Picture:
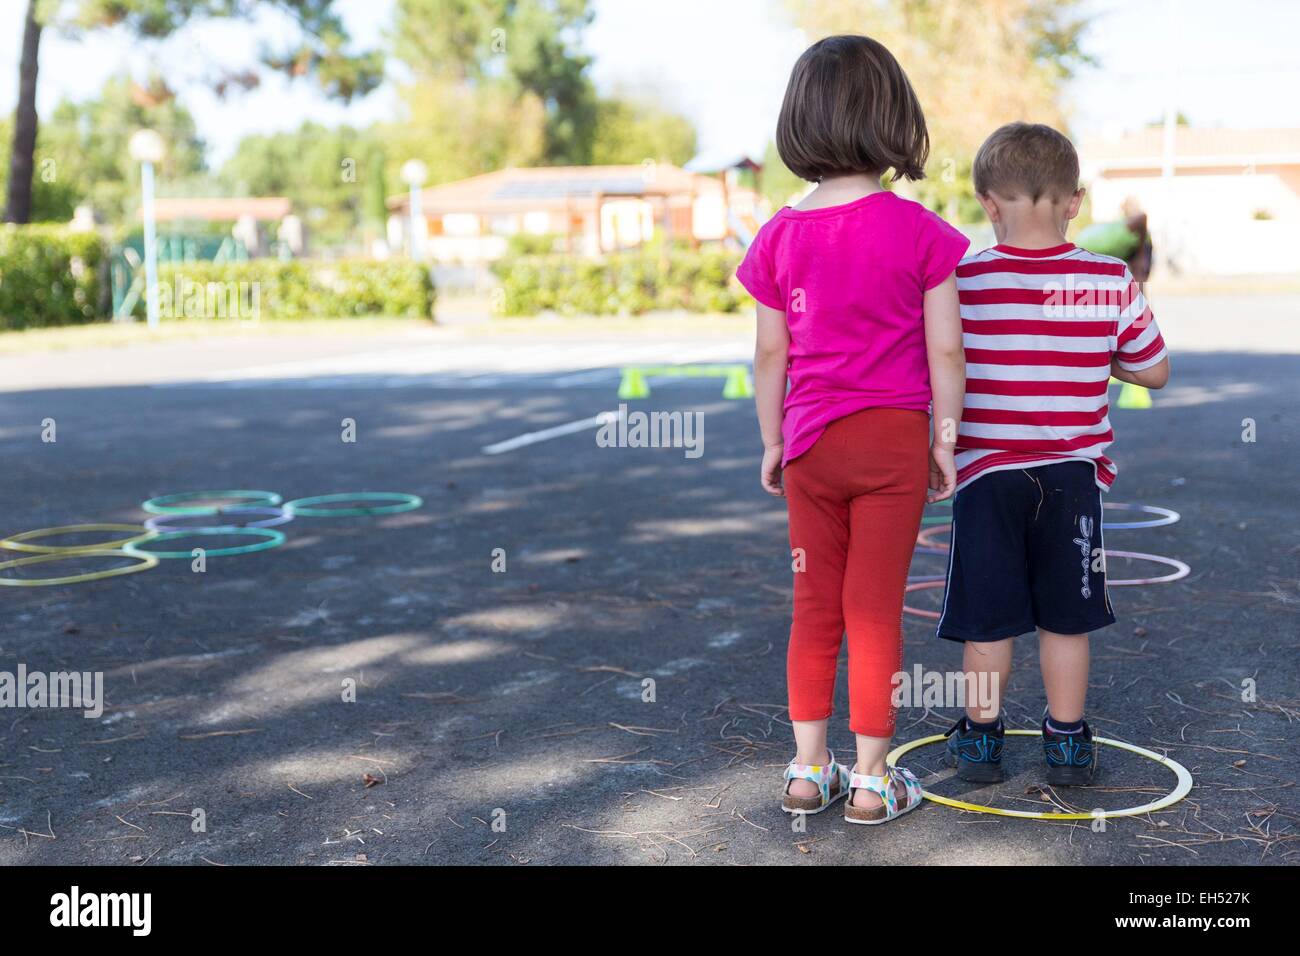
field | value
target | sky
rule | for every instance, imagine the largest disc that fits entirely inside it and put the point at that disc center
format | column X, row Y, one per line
column 723, row 63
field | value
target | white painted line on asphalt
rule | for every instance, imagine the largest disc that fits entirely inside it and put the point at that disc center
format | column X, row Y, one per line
column 532, row 438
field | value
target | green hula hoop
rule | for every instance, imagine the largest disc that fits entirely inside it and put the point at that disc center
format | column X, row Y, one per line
column 306, row 507
column 272, row 539
column 171, row 504
column 19, row 542
column 147, row 561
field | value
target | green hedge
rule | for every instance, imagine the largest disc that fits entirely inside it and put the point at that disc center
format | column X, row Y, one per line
column 297, row 289
column 626, row 283
column 50, row 275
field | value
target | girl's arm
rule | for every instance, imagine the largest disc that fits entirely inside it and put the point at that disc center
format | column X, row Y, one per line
column 947, row 382
column 771, row 355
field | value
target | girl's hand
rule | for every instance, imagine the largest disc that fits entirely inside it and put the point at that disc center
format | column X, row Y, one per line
column 943, row 474
column 770, row 475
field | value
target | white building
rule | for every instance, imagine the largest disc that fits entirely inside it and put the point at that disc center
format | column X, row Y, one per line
column 1231, row 204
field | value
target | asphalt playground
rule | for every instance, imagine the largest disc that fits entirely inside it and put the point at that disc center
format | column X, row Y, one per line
column 615, row 694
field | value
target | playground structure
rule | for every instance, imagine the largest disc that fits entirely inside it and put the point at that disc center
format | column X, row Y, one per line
column 126, row 264
column 193, row 238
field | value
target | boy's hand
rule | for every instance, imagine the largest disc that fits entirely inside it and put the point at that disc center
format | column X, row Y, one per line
column 770, row 474
column 943, row 474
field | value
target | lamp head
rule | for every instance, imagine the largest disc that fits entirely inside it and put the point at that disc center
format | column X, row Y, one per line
column 414, row 172
column 146, row 146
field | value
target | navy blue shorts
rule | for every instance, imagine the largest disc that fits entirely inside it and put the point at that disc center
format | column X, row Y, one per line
column 1026, row 553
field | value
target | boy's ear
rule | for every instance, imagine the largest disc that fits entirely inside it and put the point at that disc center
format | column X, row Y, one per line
column 1076, row 201
column 990, row 206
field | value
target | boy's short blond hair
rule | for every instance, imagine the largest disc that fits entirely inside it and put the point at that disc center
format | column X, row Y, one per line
column 1027, row 159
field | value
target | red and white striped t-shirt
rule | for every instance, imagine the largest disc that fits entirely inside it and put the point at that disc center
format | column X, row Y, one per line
column 1040, row 327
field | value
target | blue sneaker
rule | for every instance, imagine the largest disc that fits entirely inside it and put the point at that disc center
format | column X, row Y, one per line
column 1071, row 758
column 976, row 754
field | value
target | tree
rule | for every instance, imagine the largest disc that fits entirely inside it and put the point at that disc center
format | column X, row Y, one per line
column 319, row 50
column 461, row 130
column 454, row 39
column 541, row 56
column 780, row 185
column 323, row 170
column 974, row 65
column 629, row 130
column 496, row 64
column 18, row 204
column 374, row 207
column 81, row 152
column 504, row 83
column 54, row 197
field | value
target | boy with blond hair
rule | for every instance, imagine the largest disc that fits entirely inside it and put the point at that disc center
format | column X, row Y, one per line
column 1045, row 325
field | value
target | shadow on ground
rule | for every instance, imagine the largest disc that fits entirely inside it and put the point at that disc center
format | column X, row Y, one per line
column 485, row 698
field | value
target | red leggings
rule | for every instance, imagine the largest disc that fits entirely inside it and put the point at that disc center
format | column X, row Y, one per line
column 855, row 501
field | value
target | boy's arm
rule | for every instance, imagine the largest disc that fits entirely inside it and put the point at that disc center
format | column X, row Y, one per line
column 1138, row 342
column 771, row 357
column 947, row 359
column 1154, row 377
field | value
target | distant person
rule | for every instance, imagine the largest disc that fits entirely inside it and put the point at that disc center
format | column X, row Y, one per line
column 1128, row 239
column 857, row 312
column 1140, row 261
column 1026, row 551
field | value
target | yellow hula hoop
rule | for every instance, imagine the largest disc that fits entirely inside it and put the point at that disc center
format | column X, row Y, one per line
column 1182, row 789
column 18, row 542
column 147, row 561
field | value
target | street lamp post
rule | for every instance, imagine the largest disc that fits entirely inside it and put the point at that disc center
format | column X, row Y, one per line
column 414, row 174
column 146, row 148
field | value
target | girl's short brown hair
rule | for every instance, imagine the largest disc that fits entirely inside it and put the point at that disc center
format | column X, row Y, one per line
column 849, row 108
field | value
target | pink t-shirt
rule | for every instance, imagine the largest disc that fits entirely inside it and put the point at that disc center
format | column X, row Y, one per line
column 851, row 280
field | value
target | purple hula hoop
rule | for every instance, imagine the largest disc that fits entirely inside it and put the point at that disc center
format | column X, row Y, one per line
column 278, row 516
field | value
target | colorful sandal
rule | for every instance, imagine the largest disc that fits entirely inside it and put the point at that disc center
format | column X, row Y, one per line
column 832, row 779
column 883, row 787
